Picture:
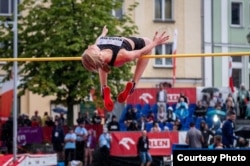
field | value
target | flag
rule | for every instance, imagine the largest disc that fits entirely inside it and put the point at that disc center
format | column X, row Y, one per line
column 231, row 83
column 6, row 100
column 174, row 58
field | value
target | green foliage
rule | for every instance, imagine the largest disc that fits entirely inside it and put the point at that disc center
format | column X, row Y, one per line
column 64, row 29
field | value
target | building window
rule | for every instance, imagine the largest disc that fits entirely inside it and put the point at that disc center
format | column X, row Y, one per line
column 237, row 77
column 236, row 13
column 118, row 12
column 249, row 15
column 236, row 58
column 6, row 7
column 161, row 50
column 163, row 10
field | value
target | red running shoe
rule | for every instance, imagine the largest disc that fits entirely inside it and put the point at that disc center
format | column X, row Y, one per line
column 108, row 103
column 122, row 97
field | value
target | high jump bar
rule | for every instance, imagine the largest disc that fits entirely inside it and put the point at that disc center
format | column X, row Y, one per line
column 42, row 59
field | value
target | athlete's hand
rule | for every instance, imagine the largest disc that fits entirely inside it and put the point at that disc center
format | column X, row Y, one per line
column 160, row 39
column 104, row 31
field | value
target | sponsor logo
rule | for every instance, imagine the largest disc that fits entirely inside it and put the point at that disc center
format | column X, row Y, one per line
column 159, row 143
column 173, row 97
column 126, row 141
column 145, row 97
column 21, row 139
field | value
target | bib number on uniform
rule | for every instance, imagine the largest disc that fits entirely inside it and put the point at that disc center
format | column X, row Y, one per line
column 117, row 41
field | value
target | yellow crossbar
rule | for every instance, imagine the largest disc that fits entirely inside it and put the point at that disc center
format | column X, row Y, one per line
column 42, row 59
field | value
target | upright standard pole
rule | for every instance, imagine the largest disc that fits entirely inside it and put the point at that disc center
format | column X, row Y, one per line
column 15, row 40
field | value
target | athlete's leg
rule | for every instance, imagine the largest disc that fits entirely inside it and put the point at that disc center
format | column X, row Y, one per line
column 108, row 103
column 140, row 67
column 141, row 64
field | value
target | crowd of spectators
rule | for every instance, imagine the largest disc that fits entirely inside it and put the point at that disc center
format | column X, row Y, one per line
column 162, row 116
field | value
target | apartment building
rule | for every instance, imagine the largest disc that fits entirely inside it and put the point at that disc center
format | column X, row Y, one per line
column 169, row 15
column 226, row 29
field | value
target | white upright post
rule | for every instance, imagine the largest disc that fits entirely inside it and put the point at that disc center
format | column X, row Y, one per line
column 15, row 47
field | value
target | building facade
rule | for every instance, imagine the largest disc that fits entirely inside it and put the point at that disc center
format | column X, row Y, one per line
column 226, row 27
column 170, row 15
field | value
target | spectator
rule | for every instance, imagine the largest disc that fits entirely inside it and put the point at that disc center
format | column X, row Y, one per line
column 244, row 143
column 175, row 128
column 217, row 144
column 96, row 118
column 56, row 118
column 230, row 106
column 178, row 124
column 113, row 125
column 20, row 121
column 194, row 137
column 143, row 149
column 228, row 136
column 81, row 134
column 182, row 109
column 44, row 119
column 142, row 123
column 62, row 120
column 35, row 123
column 37, row 118
column 186, row 100
column 70, row 146
column 130, row 117
column 151, row 117
column 26, row 121
column 133, row 126
column 218, row 106
column 205, row 101
column 248, row 108
column 104, row 144
column 57, row 140
column 86, row 118
column 156, row 128
column 49, row 122
column 220, row 100
column 230, row 98
column 161, row 97
column 200, row 110
column 161, row 114
column 89, row 147
column 206, row 133
column 212, row 100
column 79, row 118
column 171, row 116
column 7, row 135
column 241, row 99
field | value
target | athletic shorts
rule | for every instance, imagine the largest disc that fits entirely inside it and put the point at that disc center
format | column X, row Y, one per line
column 145, row 157
column 139, row 42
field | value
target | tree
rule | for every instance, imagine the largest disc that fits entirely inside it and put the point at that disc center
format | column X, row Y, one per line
column 64, row 28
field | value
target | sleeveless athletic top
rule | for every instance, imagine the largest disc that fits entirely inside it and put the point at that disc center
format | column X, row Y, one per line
column 117, row 43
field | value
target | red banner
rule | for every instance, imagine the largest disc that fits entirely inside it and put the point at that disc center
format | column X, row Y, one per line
column 6, row 100
column 125, row 143
column 148, row 95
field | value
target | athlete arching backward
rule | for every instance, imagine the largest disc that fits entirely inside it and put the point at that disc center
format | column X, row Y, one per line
column 116, row 51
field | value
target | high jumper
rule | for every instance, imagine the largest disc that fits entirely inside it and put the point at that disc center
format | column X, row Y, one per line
column 116, row 51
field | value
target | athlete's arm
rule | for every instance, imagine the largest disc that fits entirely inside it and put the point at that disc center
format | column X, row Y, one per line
column 104, row 33
column 103, row 76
